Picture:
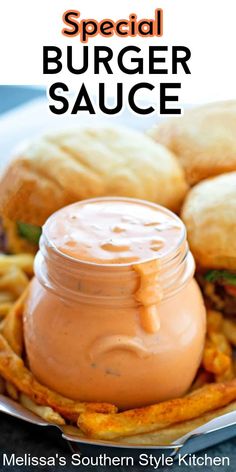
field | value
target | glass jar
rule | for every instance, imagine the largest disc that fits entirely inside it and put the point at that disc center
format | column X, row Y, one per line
column 85, row 332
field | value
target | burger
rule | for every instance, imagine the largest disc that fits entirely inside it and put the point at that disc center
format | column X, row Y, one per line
column 203, row 139
column 209, row 213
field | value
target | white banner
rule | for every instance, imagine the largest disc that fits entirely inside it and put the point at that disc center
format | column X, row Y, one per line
column 206, row 27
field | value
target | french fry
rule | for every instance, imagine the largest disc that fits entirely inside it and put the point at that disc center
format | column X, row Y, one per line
column 215, row 361
column 214, row 321
column 23, row 261
column 218, row 354
column 45, row 412
column 2, row 385
column 14, row 281
column 5, row 308
column 159, row 416
column 12, row 391
column 6, row 297
column 13, row 370
column 229, row 329
column 73, row 431
column 229, row 374
column 166, row 436
column 220, row 341
column 12, row 325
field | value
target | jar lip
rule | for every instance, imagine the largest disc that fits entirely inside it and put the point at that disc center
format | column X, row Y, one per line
column 75, row 261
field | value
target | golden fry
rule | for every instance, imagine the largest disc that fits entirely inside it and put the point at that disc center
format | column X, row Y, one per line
column 45, row 412
column 6, row 297
column 229, row 329
column 218, row 354
column 73, row 431
column 2, row 385
column 14, row 281
column 229, row 374
column 215, row 361
column 220, row 341
column 214, row 321
column 166, row 436
column 12, row 325
column 23, row 261
column 12, row 391
column 12, row 369
column 5, row 308
column 159, row 416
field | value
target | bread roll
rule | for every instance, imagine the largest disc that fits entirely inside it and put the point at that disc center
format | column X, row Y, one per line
column 203, row 139
column 65, row 167
column 209, row 214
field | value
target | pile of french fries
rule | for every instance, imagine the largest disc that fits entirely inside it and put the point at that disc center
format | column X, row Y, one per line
column 15, row 273
column 218, row 357
column 213, row 391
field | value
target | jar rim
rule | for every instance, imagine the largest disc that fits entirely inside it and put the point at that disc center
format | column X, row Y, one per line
column 114, row 266
column 59, row 271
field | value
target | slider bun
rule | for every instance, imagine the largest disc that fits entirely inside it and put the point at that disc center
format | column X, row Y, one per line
column 69, row 166
column 209, row 213
column 203, row 139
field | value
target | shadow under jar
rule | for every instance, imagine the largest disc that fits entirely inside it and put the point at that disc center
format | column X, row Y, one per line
column 113, row 313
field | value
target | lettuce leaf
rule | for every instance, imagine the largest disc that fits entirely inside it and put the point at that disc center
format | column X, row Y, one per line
column 30, row 232
column 224, row 277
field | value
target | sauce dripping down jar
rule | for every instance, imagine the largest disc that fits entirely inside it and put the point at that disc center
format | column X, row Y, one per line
column 113, row 313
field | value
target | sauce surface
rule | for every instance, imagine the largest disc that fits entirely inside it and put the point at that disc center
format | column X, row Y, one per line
column 114, row 231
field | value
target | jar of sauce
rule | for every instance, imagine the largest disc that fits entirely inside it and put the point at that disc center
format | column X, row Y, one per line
column 113, row 313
